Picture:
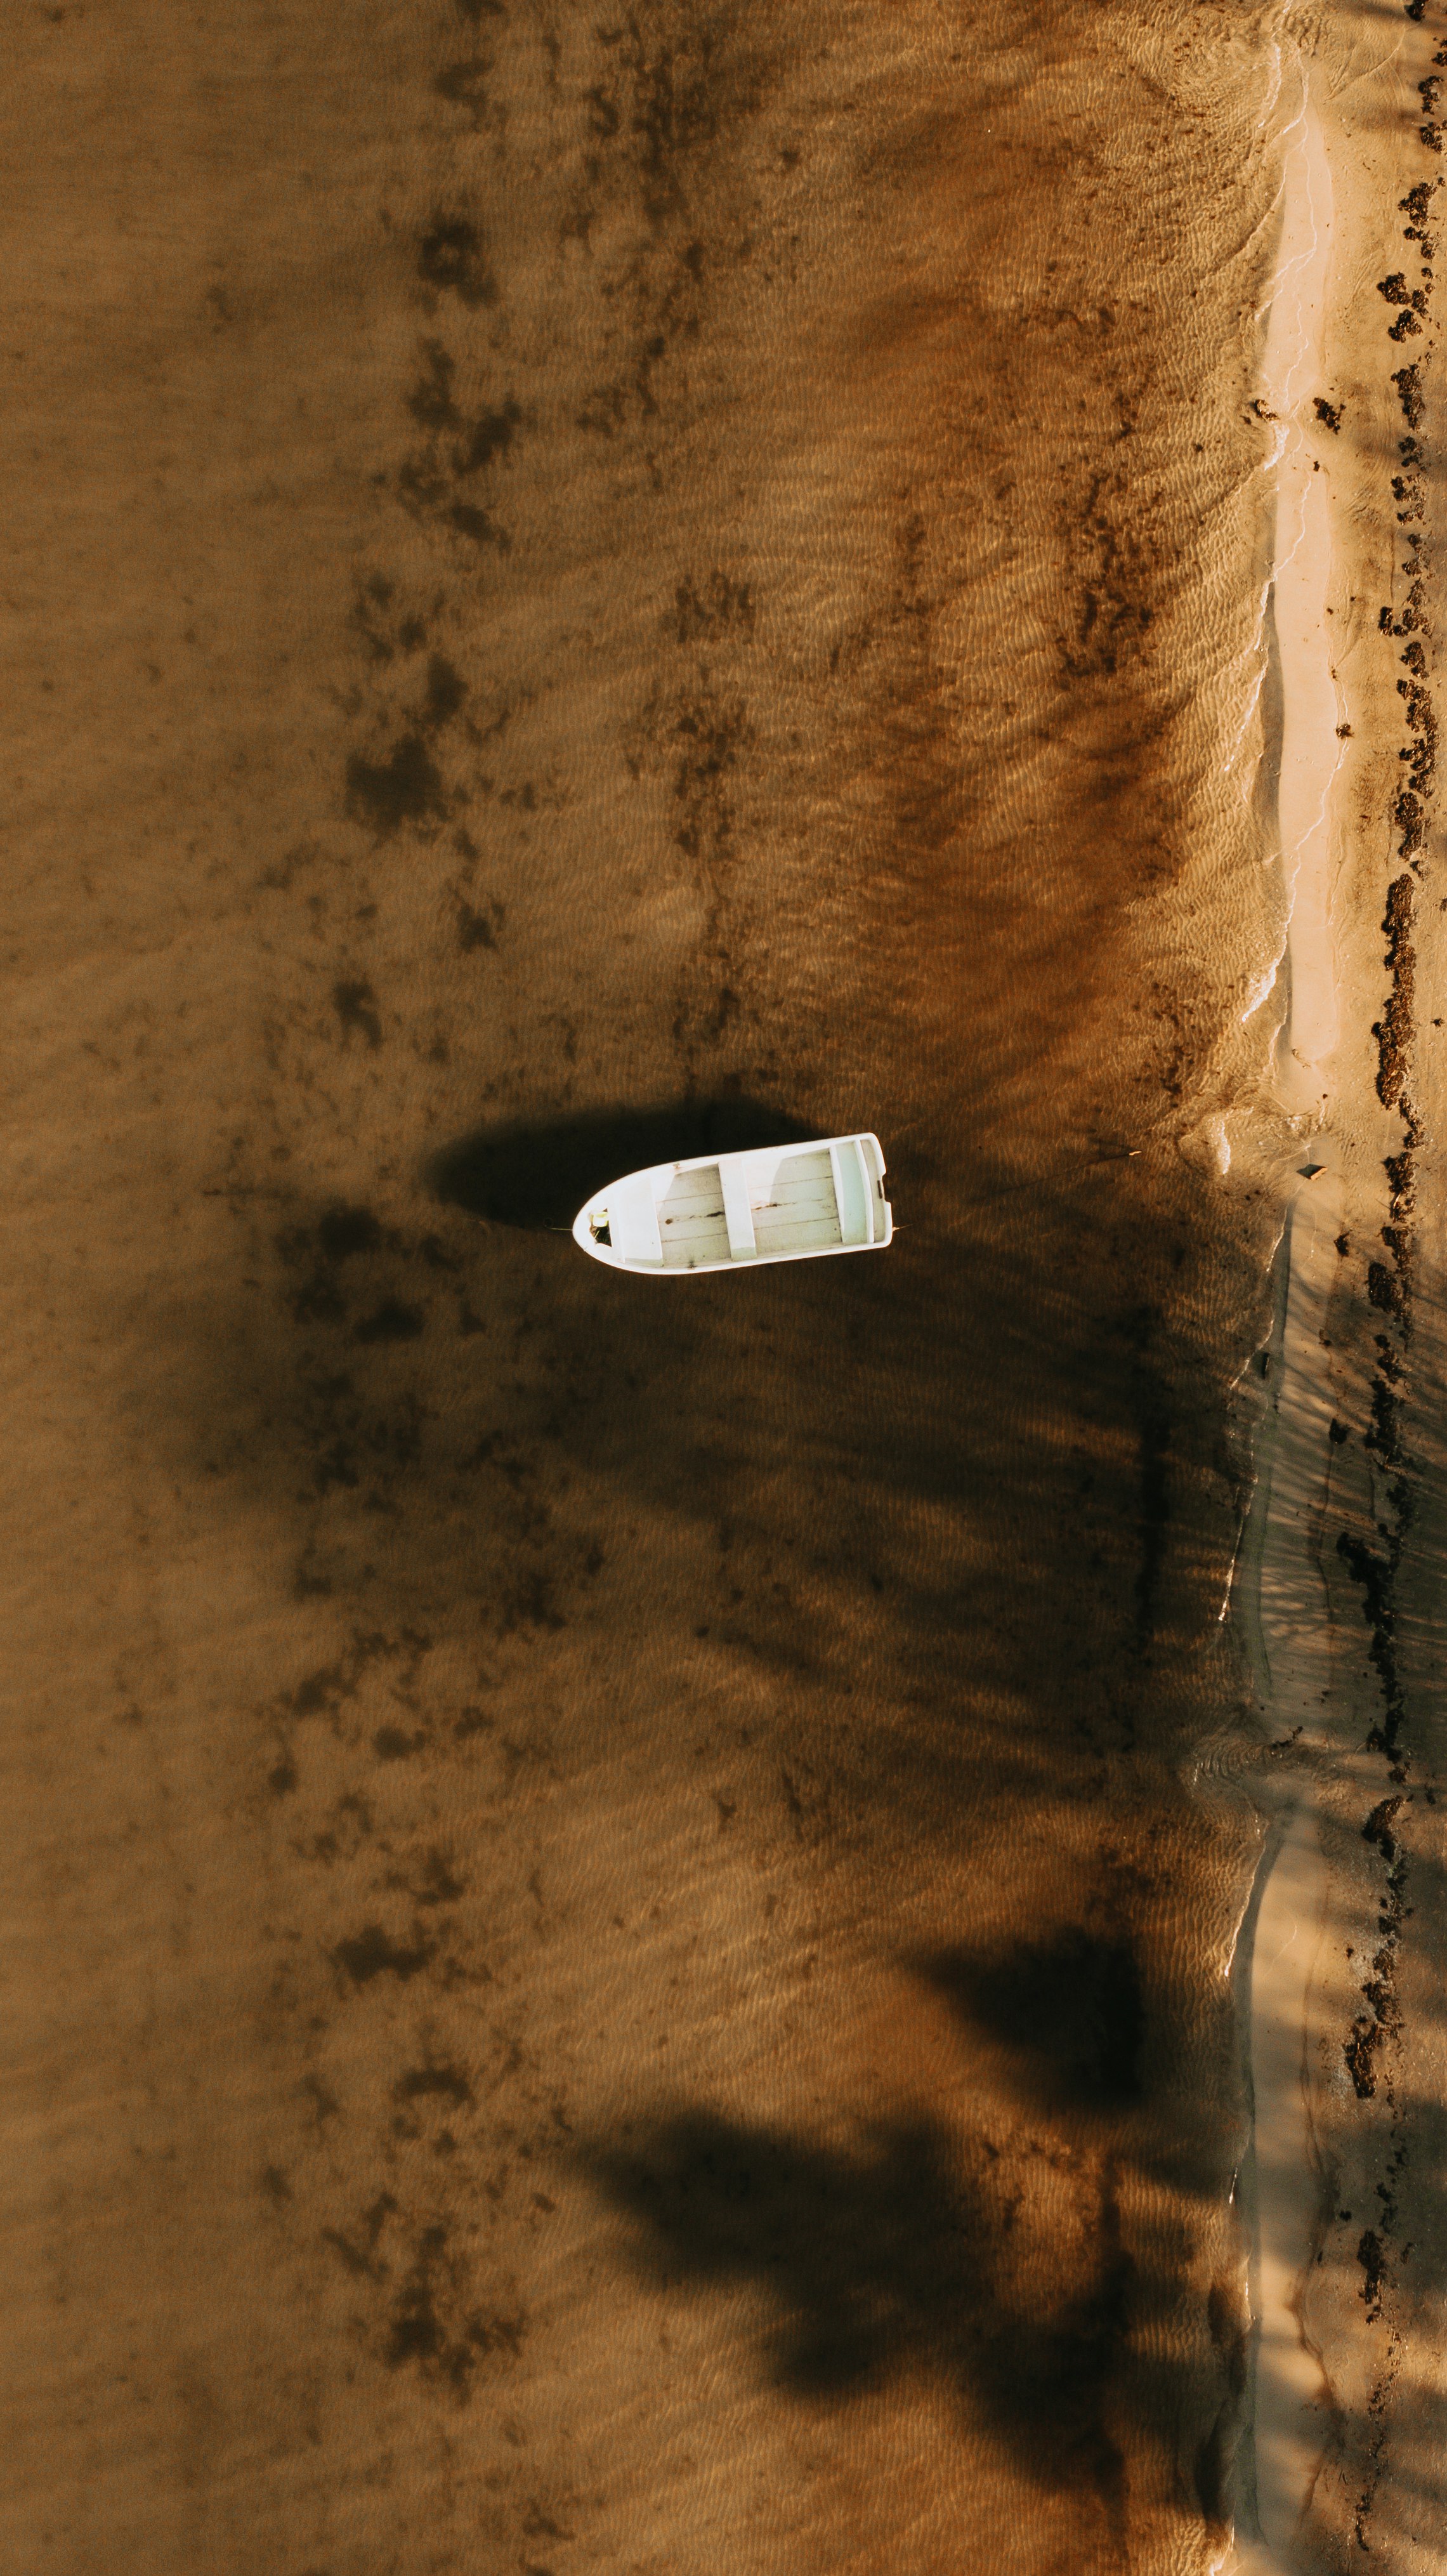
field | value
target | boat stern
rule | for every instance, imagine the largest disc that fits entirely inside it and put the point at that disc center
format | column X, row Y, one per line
column 881, row 1214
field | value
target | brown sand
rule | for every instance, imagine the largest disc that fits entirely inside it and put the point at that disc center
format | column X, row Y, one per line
column 617, row 1968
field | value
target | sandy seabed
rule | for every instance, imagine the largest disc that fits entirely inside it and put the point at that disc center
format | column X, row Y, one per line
column 721, row 1925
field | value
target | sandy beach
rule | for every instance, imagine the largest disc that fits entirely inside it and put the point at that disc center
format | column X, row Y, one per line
column 777, row 1924
column 1343, row 2447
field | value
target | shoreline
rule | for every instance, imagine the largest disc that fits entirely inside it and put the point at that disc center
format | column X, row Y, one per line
column 1287, row 1905
column 1318, row 1789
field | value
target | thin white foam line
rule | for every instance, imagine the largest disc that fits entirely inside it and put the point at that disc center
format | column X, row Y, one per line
column 1232, row 1392
column 1265, row 984
column 1257, row 651
column 1316, row 824
column 1278, row 57
column 1287, row 441
column 1299, row 125
column 1296, row 478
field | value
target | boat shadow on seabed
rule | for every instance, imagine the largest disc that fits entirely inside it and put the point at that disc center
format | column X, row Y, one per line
column 539, row 1172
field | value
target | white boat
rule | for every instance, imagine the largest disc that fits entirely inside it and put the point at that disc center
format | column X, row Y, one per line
column 733, row 1211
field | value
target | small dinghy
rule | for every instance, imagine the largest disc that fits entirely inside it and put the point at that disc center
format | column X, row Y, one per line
column 732, row 1211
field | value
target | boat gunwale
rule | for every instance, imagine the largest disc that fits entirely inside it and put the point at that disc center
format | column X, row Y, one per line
column 657, row 1173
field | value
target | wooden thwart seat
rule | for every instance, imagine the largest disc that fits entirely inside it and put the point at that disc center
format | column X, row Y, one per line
column 691, row 1218
column 797, row 1209
column 738, row 1215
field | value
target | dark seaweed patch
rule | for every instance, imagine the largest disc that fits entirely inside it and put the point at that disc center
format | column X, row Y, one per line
column 430, row 402
column 477, row 525
column 1393, row 1032
column 392, row 1744
column 422, row 2082
column 1372, row 2256
column 450, row 257
column 345, row 1231
column 355, row 1005
column 436, row 1882
column 404, row 788
column 489, row 436
column 426, row 2327
column 702, row 613
column 358, row 2252
column 1382, row 2018
column 446, row 693
column 478, row 929
column 373, row 1953
column 466, row 85
column 391, row 1322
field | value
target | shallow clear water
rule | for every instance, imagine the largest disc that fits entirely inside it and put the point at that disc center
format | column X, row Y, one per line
column 629, row 1967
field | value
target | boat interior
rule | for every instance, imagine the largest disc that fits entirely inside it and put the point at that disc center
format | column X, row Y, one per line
column 773, row 1204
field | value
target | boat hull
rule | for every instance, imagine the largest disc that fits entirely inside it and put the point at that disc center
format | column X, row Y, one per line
column 741, row 1211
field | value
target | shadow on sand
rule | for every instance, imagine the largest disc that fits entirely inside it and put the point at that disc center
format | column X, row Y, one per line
column 540, row 1172
column 910, row 2249
column 947, row 1529
column 886, row 2258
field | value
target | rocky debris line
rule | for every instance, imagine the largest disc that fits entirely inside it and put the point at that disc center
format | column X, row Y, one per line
column 1374, row 1564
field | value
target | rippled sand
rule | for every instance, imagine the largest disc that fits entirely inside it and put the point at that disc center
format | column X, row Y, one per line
column 625, row 1893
